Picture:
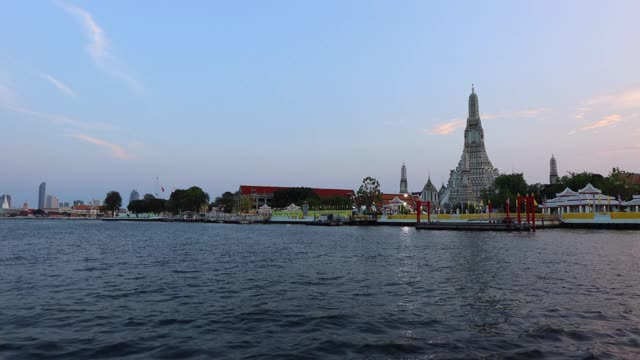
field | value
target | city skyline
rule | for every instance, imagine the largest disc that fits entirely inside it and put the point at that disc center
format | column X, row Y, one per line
column 231, row 95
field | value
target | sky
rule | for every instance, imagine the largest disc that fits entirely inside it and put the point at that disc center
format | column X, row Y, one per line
column 112, row 95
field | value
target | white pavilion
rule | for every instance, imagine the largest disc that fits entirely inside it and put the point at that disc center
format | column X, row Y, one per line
column 586, row 200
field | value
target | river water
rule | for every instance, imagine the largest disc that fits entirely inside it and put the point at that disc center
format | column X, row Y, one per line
column 91, row 289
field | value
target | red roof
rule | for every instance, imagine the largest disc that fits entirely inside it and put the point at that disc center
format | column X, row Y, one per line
column 249, row 189
column 411, row 200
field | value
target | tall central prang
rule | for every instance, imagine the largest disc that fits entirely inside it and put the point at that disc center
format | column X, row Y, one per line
column 474, row 171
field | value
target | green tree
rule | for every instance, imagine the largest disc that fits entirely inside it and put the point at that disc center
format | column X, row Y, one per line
column 245, row 204
column 192, row 199
column 196, row 199
column 113, row 202
column 368, row 194
column 176, row 203
column 137, row 207
column 505, row 187
column 225, row 202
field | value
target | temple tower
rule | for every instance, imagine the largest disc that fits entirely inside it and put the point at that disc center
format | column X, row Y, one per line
column 430, row 193
column 404, row 189
column 474, row 170
column 553, row 172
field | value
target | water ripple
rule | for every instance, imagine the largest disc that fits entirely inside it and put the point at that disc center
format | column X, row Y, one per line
column 93, row 290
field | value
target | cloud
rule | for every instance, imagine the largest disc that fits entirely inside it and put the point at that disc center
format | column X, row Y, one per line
column 446, row 128
column 99, row 46
column 60, row 119
column 455, row 124
column 9, row 101
column 604, row 122
column 116, row 151
column 627, row 99
column 59, row 84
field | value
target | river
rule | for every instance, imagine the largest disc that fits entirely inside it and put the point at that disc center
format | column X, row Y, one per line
column 92, row 289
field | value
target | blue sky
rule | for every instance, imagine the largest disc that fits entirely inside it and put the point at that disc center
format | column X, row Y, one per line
column 99, row 96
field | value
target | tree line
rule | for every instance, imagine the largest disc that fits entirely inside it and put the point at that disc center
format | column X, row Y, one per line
column 616, row 183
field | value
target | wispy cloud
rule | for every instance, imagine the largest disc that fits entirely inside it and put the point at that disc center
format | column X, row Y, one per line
column 115, row 151
column 59, row 85
column 453, row 125
column 99, row 46
column 9, row 100
column 446, row 128
column 606, row 121
column 627, row 99
column 60, row 119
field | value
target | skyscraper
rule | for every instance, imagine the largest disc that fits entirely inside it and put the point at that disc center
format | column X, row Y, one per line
column 403, row 180
column 474, row 171
column 553, row 171
column 51, row 202
column 5, row 199
column 134, row 196
column 42, row 193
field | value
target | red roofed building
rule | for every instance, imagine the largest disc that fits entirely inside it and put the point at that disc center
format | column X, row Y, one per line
column 390, row 202
column 263, row 194
column 631, row 179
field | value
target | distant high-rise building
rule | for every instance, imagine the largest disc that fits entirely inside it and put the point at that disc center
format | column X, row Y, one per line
column 553, row 171
column 5, row 198
column 134, row 195
column 78, row 202
column 51, row 202
column 404, row 188
column 42, row 193
column 66, row 204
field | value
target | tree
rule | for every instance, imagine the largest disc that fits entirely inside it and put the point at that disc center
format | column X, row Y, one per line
column 368, row 194
column 196, row 199
column 137, row 206
column 176, row 203
column 505, row 187
column 113, row 201
column 192, row 199
column 245, row 204
column 225, row 202
column 149, row 204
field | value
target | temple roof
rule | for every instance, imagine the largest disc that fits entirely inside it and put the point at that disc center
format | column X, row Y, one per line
column 589, row 189
column 429, row 186
column 567, row 192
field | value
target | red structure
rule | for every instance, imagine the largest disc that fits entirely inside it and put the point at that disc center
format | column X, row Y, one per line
column 533, row 213
column 518, row 205
column 419, row 207
column 527, row 207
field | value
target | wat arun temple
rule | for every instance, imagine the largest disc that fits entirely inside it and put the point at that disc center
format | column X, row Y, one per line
column 474, row 172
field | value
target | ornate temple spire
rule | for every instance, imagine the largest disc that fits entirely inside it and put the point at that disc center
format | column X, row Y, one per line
column 474, row 112
column 403, row 180
column 553, row 170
